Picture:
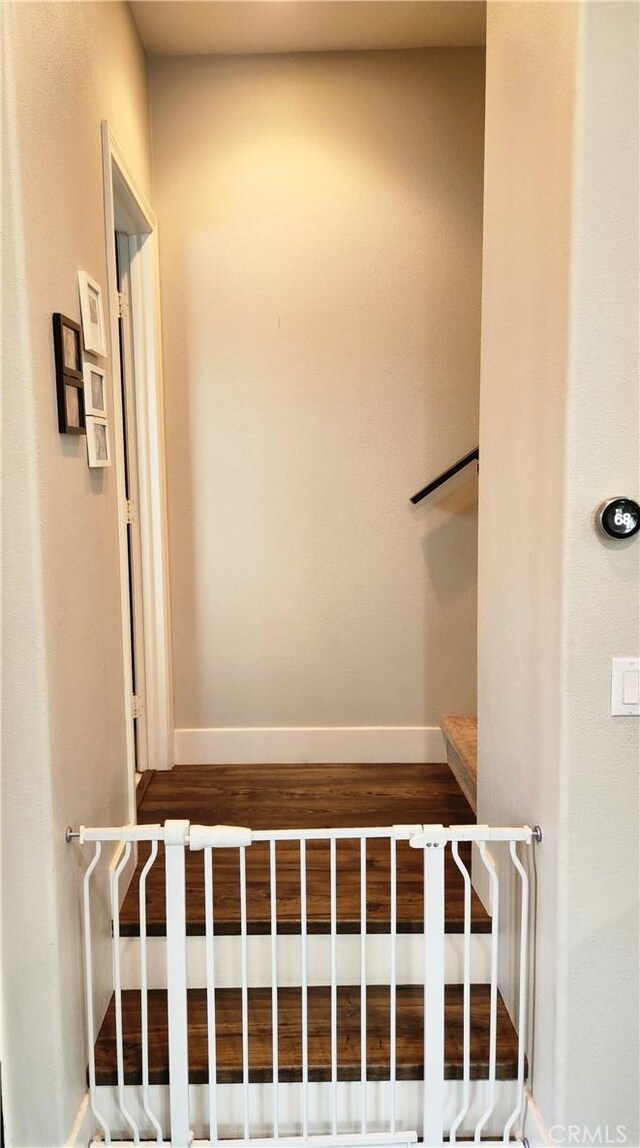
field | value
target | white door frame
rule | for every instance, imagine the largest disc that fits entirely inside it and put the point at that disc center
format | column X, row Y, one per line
column 127, row 209
column 124, row 244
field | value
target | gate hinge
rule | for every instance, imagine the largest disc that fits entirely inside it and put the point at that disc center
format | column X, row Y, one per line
column 122, row 305
column 137, row 706
column 421, row 836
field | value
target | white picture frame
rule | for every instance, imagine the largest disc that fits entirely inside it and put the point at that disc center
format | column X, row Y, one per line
column 95, row 390
column 98, row 444
column 92, row 313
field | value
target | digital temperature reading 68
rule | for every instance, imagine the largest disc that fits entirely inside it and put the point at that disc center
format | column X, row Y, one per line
column 619, row 518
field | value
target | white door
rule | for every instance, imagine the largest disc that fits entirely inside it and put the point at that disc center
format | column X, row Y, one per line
column 134, row 545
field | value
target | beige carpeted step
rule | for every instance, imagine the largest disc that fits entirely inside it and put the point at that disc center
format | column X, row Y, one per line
column 461, row 733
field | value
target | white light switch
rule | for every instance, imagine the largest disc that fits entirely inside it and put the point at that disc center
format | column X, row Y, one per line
column 631, row 688
column 625, row 687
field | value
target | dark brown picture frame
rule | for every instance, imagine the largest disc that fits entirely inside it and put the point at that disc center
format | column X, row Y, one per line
column 69, row 374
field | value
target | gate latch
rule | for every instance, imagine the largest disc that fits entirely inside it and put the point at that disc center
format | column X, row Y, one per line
column 429, row 837
column 218, row 837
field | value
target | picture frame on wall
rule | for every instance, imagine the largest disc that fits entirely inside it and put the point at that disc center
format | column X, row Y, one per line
column 67, row 345
column 91, row 310
column 98, row 445
column 67, row 349
column 73, row 409
column 95, row 390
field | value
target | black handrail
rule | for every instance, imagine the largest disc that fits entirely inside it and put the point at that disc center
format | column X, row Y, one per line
column 473, row 456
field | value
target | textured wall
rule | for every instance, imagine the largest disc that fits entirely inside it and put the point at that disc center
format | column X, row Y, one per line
column 320, row 221
column 65, row 67
column 525, row 332
column 600, row 893
column 559, row 433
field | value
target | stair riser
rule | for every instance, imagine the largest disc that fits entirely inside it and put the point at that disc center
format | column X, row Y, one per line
column 230, row 1108
column 227, row 956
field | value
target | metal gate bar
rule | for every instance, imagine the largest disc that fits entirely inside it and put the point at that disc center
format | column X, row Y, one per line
column 180, row 836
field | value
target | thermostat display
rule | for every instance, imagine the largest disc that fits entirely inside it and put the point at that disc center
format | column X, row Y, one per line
column 619, row 518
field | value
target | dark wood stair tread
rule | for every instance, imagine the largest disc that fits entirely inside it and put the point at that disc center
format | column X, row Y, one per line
column 226, row 881
column 409, row 1043
column 305, row 796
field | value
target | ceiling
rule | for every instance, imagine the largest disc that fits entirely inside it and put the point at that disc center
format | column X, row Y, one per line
column 235, row 27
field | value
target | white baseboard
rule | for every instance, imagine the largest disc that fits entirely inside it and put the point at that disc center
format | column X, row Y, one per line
column 535, row 1128
column 84, row 1126
column 319, row 745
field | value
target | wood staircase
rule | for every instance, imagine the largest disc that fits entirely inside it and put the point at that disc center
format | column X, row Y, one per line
column 461, row 736
column 305, row 796
column 229, row 1034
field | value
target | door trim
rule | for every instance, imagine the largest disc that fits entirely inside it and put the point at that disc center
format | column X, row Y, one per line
column 127, row 208
column 128, row 371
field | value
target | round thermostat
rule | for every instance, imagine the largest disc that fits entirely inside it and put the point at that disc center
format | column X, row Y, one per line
column 619, row 518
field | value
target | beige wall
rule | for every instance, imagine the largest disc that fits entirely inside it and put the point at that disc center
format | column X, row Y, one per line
column 65, row 67
column 525, row 331
column 558, row 433
column 599, row 899
column 320, row 226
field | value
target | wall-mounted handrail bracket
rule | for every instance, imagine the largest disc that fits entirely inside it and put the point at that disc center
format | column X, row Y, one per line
column 473, row 456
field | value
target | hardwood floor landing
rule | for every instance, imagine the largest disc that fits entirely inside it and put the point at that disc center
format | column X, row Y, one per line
column 304, row 796
column 409, row 1043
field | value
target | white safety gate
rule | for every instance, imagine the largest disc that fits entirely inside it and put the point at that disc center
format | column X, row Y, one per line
column 337, row 1112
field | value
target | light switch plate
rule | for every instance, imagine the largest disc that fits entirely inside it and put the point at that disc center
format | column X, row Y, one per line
column 625, row 687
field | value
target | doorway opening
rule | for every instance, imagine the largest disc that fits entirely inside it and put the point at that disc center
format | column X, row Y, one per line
column 132, row 272
column 126, row 361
